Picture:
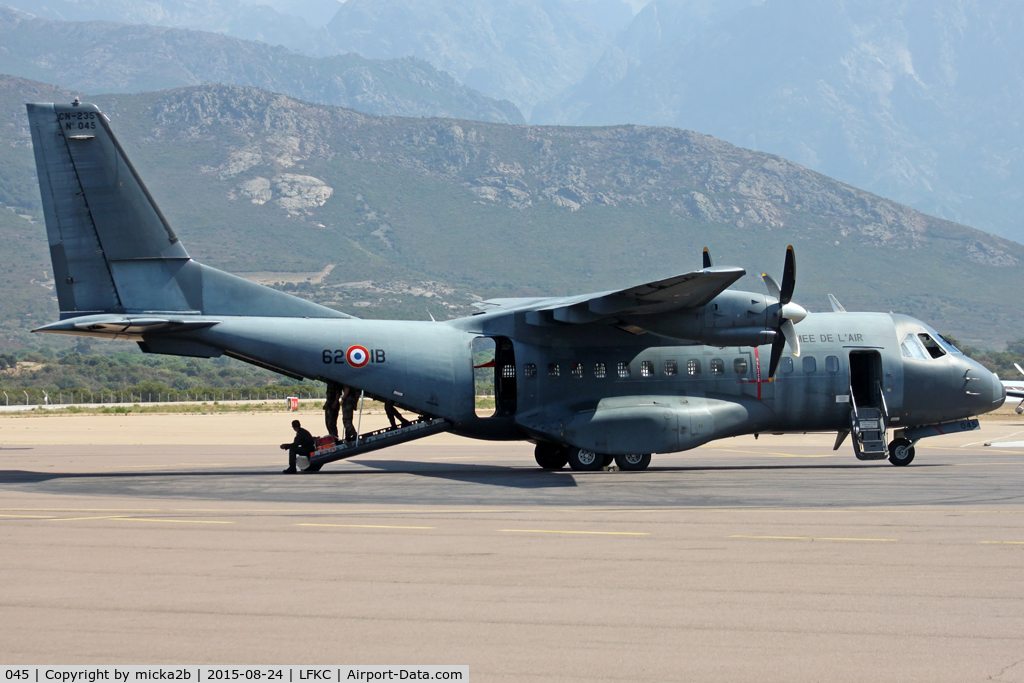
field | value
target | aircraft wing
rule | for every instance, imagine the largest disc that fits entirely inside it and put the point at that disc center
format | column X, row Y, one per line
column 1014, row 389
column 690, row 290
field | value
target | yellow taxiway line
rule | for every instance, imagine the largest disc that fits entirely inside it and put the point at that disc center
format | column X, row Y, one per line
column 1001, row 542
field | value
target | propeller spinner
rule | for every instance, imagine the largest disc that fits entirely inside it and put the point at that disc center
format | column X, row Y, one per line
column 788, row 312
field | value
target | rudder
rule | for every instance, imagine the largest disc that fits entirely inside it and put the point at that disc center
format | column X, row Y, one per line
column 113, row 251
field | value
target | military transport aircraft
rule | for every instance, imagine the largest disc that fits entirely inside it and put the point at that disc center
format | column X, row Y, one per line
column 661, row 367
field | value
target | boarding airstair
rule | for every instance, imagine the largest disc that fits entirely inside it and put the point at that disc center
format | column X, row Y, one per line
column 372, row 441
column 867, row 424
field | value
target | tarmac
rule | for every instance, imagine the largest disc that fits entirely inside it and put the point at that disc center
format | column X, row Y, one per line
column 775, row 559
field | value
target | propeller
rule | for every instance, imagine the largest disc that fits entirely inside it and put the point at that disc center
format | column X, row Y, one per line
column 788, row 312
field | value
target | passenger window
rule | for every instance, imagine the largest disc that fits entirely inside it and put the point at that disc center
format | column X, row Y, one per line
column 912, row 348
column 623, row 369
column 671, row 368
column 600, row 370
column 786, row 365
column 530, row 370
column 717, row 366
column 646, row 368
column 554, row 370
column 831, row 363
column 810, row 365
column 931, row 346
column 693, row 368
column 577, row 370
column 740, row 366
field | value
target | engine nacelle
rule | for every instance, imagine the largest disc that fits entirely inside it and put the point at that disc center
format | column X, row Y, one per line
column 731, row 319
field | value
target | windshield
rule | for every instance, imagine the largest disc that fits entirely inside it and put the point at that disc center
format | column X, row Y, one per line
column 931, row 346
column 947, row 345
column 912, row 348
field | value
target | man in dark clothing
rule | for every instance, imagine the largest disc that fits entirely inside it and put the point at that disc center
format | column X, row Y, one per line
column 332, row 406
column 349, row 401
column 393, row 415
column 302, row 445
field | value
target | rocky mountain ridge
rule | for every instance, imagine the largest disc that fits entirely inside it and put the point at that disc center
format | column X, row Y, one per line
column 405, row 217
column 696, row 177
column 916, row 101
column 106, row 57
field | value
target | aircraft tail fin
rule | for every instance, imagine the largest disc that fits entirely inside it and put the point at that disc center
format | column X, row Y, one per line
column 112, row 249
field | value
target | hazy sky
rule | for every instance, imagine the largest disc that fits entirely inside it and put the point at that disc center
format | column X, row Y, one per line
column 637, row 4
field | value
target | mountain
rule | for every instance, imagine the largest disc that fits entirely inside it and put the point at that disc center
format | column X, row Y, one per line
column 292, row 23
column 918, row 100
column 386, row 216
column 525, row 51
column 106, row 57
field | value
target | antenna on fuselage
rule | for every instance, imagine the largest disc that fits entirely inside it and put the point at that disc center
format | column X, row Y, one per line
column 836, row 306
column 431, row 316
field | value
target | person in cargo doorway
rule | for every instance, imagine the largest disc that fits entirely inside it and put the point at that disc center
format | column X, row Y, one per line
column 332, row 406
column 302, row 445
column 349, row 401
column 393, row 415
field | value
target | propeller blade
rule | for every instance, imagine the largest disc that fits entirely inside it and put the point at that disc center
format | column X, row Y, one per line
column 1019, row 368
column 836, row 306
column 778, row 344
column 788, row 276
column 707, row 258
column 789, row 332
column 771, row 284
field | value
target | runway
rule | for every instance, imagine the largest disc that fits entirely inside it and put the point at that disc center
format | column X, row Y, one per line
column 776, row 559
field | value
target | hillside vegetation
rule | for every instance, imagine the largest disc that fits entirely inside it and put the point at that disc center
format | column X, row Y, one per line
column 419, row 216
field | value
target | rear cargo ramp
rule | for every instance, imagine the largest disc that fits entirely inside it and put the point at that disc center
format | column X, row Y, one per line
column 382, row 438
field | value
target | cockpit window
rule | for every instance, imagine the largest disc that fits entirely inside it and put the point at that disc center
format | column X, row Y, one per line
column 912, row 348
column 932, row 346
column 948, row 345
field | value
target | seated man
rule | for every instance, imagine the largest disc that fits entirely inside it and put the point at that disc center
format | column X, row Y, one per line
column 302, row 445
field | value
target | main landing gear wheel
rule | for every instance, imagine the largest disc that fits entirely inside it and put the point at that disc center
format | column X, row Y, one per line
column 582, row 460
column 551, row 456
column 633, row 462
column 901, row 452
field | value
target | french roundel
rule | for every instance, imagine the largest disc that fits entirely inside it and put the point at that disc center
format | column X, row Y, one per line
column 357, row 356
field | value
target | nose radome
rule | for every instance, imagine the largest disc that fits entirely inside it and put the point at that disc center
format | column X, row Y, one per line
column 998, row 391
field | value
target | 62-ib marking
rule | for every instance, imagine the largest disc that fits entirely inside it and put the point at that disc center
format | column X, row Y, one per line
column 337, row 356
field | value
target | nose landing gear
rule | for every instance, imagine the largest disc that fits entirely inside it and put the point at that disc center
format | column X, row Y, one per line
column 901, row 452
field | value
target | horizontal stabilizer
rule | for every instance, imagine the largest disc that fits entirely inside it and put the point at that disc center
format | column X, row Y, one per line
column 121, row 327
